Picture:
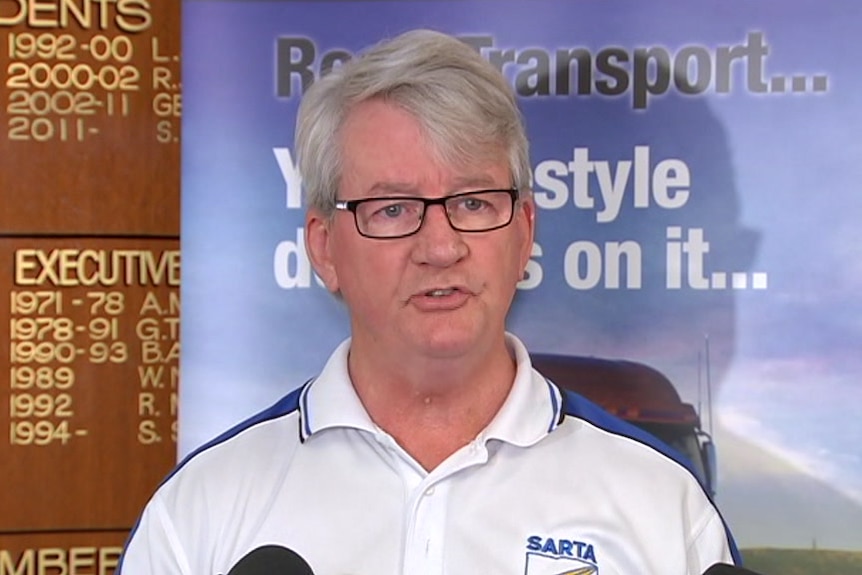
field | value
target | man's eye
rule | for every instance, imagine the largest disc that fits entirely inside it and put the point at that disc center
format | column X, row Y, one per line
column 391, row 210
column 474, row 204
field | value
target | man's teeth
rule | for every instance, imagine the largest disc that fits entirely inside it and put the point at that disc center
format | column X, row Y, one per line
column 440, row 292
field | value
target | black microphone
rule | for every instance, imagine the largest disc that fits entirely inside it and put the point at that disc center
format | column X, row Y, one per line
column 725, row 569
column 271, row 560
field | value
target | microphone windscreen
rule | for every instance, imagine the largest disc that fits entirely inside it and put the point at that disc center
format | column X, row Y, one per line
column 271, row 560
column 725, row 569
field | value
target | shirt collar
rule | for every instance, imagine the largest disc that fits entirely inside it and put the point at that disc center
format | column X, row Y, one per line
column 530, row 412
column 330, row 400
column 533, row 407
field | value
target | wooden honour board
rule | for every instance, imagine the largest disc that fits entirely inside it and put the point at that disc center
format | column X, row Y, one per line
column 89, row 275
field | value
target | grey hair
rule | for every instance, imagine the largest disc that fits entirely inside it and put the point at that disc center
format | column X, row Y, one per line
column 465, row 105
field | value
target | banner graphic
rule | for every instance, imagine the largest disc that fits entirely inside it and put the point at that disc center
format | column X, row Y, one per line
column 696, row 170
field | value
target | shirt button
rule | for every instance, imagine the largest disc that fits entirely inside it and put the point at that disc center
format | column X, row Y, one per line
column 430, row 491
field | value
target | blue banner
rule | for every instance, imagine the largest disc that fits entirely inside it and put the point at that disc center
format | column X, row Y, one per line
column 696, row 167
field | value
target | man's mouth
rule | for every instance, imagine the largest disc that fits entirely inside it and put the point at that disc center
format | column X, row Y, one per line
column 440, row 292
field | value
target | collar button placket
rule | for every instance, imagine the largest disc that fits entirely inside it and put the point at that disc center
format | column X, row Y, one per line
column 426, row 523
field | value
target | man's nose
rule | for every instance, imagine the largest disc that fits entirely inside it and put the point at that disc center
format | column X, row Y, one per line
column 438, row 243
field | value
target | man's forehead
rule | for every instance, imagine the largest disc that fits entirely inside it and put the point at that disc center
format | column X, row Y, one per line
column 392, row 150
column 422, row 186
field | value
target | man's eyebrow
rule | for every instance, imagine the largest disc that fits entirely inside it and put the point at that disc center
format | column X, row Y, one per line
column 461, row 183
column 475, row 181
column 393, row 188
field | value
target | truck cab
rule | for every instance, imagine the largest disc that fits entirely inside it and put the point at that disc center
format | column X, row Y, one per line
column 640, row 395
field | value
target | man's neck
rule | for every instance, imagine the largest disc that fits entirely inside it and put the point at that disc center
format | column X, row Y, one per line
column 433, row 408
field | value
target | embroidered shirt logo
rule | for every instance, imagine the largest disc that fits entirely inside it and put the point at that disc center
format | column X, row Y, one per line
column 550, row 556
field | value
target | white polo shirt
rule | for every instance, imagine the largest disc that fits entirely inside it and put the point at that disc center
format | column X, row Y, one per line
column 553, row 485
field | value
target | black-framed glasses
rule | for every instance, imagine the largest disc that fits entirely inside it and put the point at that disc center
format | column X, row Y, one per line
column 401, row 216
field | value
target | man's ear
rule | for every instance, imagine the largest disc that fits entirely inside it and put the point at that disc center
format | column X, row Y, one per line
column 318, row 244
column 527, row 207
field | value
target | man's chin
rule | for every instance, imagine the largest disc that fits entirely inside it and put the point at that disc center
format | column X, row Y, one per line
column 448, row 342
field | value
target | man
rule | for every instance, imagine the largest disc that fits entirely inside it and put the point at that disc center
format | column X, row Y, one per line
column 427, row 444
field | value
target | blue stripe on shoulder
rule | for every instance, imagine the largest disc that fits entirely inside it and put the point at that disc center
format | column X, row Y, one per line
column 284, row 406
column 576, row 405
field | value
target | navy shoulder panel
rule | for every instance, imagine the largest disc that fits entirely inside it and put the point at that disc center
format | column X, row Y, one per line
column 284, row 406
column 576, row 405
